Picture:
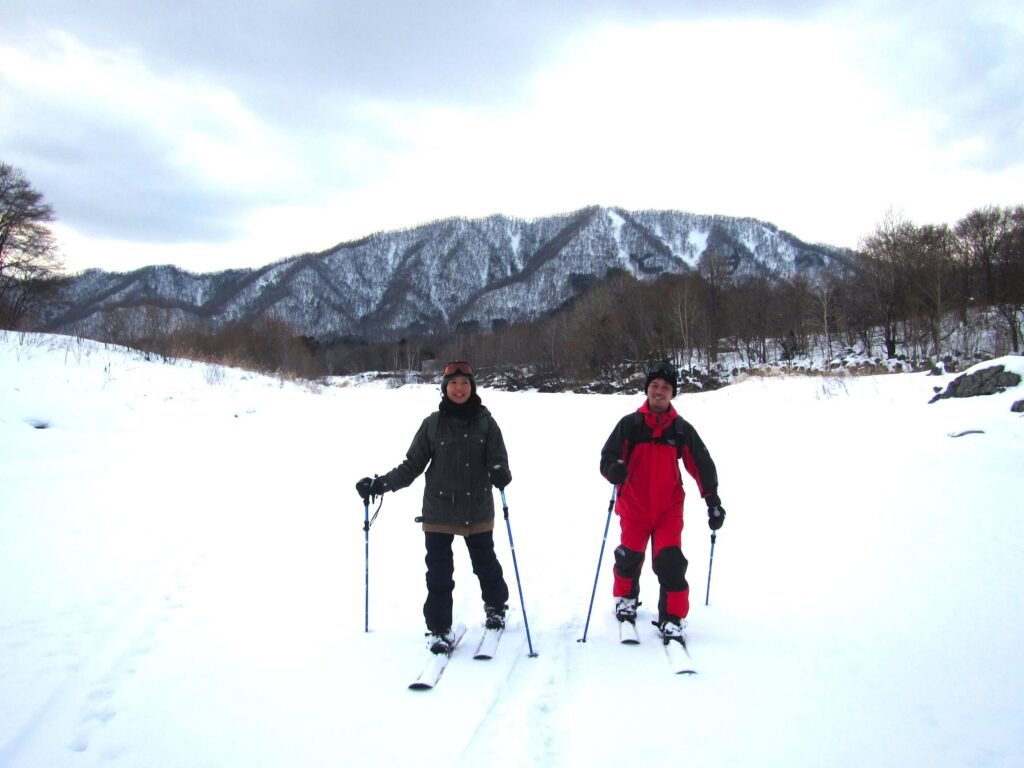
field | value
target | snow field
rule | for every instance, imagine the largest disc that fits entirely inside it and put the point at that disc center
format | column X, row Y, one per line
column 182, row 562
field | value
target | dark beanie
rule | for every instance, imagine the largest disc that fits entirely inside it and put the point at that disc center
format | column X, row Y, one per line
column 446, row 379
column 662, row 371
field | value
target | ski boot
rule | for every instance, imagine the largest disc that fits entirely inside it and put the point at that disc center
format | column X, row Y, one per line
column 495, row 616
column 671, row 628
column 625, row 609
column 441, row 642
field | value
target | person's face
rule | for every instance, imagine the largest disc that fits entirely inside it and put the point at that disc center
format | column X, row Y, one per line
column 659, row 395
column 459, row 389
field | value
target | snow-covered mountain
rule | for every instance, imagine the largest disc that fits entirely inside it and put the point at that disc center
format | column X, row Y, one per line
column 434, row 277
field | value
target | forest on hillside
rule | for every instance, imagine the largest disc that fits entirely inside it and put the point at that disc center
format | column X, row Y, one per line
column 922, row 295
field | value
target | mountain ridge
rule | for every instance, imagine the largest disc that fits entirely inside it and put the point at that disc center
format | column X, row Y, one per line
column 433, row 277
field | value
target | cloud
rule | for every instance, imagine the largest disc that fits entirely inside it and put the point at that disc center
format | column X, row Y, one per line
column 958, row 64
column 130, row 152
column 276, row 54
column 247, row 133
column 737, row 114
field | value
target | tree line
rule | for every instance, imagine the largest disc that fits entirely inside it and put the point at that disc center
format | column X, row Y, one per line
column 921, row 292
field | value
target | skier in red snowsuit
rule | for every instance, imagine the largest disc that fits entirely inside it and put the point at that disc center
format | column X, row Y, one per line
column 642, row 456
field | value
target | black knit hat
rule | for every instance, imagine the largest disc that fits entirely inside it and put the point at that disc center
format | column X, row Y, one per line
column 664, row 371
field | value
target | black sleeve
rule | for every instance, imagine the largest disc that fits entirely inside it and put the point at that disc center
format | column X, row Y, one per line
column 696, row 458
column 416, row 460
column 616, row 445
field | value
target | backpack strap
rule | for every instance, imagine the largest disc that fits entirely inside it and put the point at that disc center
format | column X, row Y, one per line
column 632, row 433
column 432, row 421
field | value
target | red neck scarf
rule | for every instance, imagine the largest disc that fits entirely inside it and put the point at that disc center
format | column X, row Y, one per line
column 658, row 422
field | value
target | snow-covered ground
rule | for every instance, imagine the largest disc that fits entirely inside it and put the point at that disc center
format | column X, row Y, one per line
column 182, row 578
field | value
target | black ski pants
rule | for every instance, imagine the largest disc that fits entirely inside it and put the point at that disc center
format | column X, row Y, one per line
column 437, row 610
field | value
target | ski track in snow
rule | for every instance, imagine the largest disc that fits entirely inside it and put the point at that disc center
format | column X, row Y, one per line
column 122, row 650
column 98, row 649
column 525, row 699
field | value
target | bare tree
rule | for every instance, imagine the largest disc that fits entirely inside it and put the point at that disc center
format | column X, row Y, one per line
column 977, row 245
column 716, row 267
column 884, row 263
column 933, row 282
column 752, row 317
column 823, row 298
column 28, row 251
column 1008, row 272
column 791, row 330
column 683, row 305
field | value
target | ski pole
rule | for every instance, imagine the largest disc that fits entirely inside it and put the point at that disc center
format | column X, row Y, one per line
column 711, row 562
column 367, row 522
column 515, row 565
column 366, row 538
column 600, row 555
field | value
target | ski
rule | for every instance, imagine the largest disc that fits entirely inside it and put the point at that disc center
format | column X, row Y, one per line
column 678, row 656
column 488, row 644
column 628, row 634
column 436, row 664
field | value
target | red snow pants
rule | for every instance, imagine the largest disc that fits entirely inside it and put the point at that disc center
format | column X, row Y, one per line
column 664, row 531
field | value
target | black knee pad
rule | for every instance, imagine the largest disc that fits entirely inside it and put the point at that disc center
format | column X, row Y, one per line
column 628, row 562
column 670, row 565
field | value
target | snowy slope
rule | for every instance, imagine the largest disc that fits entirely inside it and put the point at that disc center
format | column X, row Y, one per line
column 182, row 562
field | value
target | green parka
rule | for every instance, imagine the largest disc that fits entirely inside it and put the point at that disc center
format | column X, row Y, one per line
column 458, row 497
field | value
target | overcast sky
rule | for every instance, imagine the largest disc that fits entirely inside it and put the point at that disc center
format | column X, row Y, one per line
column 213, row 134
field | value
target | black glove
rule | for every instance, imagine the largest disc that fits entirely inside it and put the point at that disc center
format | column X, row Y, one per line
column 617, row 473
column 500, row 476
column 368, row 487
column 716, row 514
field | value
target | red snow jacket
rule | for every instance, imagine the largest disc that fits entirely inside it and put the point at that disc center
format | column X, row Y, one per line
column 651, row 445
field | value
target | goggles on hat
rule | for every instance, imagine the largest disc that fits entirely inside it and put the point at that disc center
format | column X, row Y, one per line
column 662, row 370
column 457, row 367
